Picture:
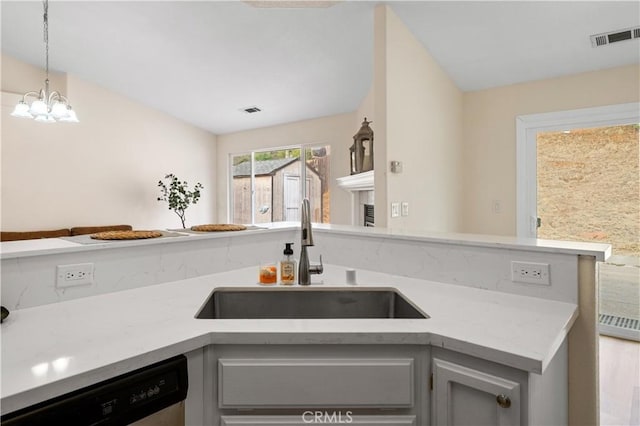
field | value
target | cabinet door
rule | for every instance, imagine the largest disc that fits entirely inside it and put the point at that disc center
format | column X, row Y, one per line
column 465, row 396
column 327, row 418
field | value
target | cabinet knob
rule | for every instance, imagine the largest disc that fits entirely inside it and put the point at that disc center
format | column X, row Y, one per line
column 503, row 401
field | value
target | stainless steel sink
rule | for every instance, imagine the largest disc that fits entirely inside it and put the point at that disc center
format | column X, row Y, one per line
column 307, row 303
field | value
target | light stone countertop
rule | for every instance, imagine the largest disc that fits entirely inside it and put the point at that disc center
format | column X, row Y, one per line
column 26, row 248
column 53, row 349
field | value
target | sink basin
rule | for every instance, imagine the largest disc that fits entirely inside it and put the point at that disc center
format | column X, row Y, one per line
column 307, row 303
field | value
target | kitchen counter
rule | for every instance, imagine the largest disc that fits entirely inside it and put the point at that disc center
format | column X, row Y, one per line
column 27, row 248
column 52, row 349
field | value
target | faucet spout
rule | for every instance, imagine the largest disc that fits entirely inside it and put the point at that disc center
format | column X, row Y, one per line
column 305, row 269
column 307, row 235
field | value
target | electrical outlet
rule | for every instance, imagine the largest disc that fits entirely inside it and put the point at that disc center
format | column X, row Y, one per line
column 73, row 275
column 531, row 273
column 395, row 209
column 405, row 208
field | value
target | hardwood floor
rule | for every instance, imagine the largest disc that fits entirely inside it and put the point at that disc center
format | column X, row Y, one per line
column 619, row 382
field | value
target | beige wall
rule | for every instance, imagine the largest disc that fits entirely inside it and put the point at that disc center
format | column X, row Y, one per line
column 423, row 131
column 103, row 170
column 379, row 106
column 20, row 77
column 489, row 155
column 336, row 131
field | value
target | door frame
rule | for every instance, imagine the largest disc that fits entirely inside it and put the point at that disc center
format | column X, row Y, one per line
column 527, row 128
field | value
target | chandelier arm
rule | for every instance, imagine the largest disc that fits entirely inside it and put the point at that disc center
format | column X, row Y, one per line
column 32, row 93
column 59, row 97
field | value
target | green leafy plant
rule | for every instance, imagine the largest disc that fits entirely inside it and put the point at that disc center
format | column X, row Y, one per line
column 177, row 194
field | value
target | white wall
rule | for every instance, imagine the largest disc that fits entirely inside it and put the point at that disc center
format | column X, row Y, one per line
column 103, row 170
column 489, row 155
column 423, row 111
column 336, row 131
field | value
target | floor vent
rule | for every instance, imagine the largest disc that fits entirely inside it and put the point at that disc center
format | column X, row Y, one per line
column 604, row 39
column 621, row 322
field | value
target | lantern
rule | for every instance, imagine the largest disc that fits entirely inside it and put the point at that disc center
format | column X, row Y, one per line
column 361, row 152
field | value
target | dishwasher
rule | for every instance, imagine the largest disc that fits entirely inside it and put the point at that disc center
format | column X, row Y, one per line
column 152, row 395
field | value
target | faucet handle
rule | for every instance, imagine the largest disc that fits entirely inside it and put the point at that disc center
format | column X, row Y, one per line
column 317, row 269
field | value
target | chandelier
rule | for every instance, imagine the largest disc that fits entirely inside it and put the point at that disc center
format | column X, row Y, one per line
column 47, row 107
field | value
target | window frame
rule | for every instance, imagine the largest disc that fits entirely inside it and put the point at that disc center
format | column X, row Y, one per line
column 303, row 174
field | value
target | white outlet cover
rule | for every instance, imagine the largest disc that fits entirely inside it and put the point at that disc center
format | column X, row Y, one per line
column 74, row 275
column 530, row 273
column 405, row 208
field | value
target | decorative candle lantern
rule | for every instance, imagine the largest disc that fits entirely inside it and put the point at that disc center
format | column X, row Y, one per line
column 361, row 152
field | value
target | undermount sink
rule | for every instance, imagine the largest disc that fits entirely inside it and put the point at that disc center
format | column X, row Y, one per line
column 307, row 303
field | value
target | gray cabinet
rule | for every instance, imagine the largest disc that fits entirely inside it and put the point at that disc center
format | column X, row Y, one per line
column 375, row 385
column 256, row 385
column 468, row 390
column 465, row 396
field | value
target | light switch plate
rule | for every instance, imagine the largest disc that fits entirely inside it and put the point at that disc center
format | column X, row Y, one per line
column 405, row 208
column 395, row 209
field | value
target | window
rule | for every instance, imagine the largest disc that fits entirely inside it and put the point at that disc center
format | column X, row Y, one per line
column 268, row 186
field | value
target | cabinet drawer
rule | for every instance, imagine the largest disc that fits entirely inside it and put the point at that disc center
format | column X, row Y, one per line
column 331, row 418
column 315, row 383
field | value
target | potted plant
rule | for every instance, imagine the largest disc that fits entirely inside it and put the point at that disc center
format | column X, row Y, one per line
column 177, row 194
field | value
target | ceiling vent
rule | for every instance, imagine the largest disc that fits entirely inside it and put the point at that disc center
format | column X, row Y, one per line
column 251, row 110
column 603, row 39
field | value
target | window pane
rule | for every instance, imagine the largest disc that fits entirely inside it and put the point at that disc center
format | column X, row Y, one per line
column 317, row 185
column 278, row 185
column 241, row 189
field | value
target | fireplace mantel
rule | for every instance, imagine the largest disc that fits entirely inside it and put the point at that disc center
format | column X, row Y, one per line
column 361, row 187
column 358, row 182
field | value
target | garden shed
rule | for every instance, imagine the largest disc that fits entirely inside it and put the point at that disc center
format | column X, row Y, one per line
column 278, row 191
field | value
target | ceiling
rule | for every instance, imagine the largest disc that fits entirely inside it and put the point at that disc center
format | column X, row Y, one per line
column 205, row 61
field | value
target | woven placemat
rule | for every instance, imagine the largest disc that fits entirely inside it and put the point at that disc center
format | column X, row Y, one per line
column 217, row 227
column 126, row 235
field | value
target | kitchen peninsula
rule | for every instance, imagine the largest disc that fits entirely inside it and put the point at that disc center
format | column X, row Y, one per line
column 141, row 309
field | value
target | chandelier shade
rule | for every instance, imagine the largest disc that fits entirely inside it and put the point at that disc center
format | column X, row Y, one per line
column 46, row 106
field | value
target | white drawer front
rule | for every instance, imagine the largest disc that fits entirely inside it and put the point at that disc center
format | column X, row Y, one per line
column 331, row 418
column 315, row 383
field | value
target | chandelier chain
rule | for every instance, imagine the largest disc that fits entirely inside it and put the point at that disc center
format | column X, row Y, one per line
column 45, row 4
